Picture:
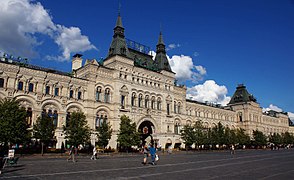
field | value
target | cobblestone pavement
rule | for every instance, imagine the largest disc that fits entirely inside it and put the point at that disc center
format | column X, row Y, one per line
column 245, row 164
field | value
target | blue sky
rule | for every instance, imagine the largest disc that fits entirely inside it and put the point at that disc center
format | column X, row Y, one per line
column 212, row 45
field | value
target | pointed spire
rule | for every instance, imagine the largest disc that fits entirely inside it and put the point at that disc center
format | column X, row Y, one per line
column 119, row 21
column 160, row 39
column 118, row 45
column 161, row 59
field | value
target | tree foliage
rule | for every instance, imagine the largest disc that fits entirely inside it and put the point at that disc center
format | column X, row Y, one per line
column 77, row 131
column 44, row 129
column 13, row 125
column 188, row 135
column 104, row 134
column 128, row 135
column 259, row 139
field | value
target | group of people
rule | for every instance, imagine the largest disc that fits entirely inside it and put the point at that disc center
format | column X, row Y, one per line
column 150, row 150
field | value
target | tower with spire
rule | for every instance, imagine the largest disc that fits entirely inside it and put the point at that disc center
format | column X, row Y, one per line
column 161, row 59
column 118, row 45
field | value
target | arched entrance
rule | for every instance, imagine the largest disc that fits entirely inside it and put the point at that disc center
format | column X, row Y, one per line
column 146, row 128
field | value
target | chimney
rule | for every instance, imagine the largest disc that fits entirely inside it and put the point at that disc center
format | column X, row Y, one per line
column 77, row 62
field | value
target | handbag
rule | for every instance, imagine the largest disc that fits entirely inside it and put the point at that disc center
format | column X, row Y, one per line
column 156, row 157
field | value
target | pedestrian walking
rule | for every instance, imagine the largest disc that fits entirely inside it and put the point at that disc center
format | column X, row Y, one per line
column 94, row 153
column 152, row 150
column 145, row 154
column 232, row 149
column 72, row 154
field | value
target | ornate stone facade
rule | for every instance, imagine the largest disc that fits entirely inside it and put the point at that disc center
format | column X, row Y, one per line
column 124, row 85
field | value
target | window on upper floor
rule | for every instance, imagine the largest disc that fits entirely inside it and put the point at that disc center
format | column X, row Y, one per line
column 98, row 93
column 153, row 103
column 107, row 95
column 79, row 95
column 31, row 87
column 158, row 104
column 122, row 102
column 146, row 101
column 71, row 92
column 47, row 90
column 140, row 100
column 1, row 82
column 133, row 100
column 20, row 85
column 56, row 92
column 168, row 108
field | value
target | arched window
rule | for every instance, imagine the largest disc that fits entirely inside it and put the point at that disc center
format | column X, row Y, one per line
column 175, row 107
column 55, row 118
column 153, row 103
column 51, row 111
column 100, row 118
column 177, row 127
column 168, row 108
column 147, row 101
column 133, row 100
column 98, row 93
column 179, row 108
column 158, row 104
column 140, row 100
column 107, row 95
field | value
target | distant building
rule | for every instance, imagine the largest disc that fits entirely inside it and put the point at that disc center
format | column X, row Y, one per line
column 128, row 82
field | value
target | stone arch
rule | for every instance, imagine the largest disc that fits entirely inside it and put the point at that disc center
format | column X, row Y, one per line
column 51, row 101
column 155, row 126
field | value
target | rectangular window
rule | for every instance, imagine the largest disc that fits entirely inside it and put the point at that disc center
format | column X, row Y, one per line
column 20, row 85
column 47, row 90
column 1, row 82
column 56, row 92
column 167, row 108
column 71, row 94
column 31, row 87
column 122, row 101
column 79, row 95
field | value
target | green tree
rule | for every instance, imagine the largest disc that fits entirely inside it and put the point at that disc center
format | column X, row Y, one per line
column 128, row 135
column 77, row 131
column 242, row 137
column 276, row 138
column 288, row 138
column 44, row 130
column 200, row 135
column 259, row 139
column 230, row 136
column 13, row 125
column 218, row 134
column 104, row 134
column 188, row 135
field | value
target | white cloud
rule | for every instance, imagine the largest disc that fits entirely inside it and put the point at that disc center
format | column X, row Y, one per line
column 277, row 109
column 185, row 69
column 209, row 91
column 22, row 20
column 172, row 46
column 272, row 107
column 291, row 116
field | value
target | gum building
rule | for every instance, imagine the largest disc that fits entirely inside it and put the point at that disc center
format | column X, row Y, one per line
column 129, row 82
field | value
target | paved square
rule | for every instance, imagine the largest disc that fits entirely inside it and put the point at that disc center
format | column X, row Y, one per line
column 245, row 164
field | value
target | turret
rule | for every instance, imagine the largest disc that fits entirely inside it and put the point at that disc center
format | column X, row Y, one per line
column 77, row 62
